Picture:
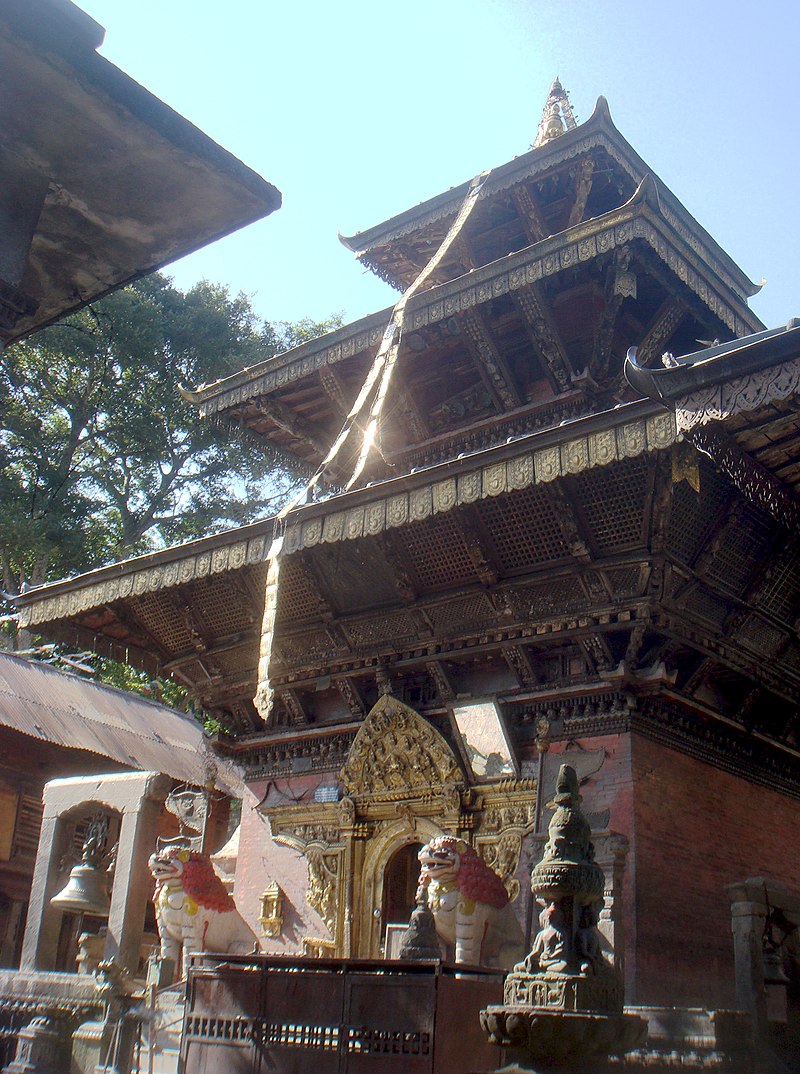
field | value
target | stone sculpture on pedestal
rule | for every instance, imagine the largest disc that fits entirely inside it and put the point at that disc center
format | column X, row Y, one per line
column 563, row 1003
column 420, row 940
column 194, row 911
column 470, row 904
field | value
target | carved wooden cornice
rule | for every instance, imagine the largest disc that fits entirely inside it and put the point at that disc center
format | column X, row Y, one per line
column 573, row 455
column 487, row 637
column 248, row 546
column 309, row 753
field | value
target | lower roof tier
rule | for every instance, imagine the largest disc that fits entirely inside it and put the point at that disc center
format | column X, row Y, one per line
column 596, row 574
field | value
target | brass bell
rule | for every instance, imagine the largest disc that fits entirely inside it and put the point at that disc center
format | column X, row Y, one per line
column 85, row 892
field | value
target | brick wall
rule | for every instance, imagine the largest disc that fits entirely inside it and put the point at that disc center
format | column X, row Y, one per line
column 698, row 829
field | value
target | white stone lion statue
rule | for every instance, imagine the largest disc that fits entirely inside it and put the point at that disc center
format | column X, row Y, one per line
column 194, row 911
column 470, row 905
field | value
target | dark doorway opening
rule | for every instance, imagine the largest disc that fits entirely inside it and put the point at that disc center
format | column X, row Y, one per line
column 400, row 879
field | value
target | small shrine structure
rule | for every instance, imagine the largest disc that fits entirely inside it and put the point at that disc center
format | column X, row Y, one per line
column 524, row 558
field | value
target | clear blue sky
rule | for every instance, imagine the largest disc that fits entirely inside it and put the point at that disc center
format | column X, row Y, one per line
column 357, row 110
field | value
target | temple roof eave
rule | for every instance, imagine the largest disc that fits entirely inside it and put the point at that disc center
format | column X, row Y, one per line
column 714, row 364
column 536, row 458
column 119, row 183
column 642, row 217
column 598, row 129
column 178, row 565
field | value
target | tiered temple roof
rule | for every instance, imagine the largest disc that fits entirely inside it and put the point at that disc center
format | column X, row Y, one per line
column 535, row 529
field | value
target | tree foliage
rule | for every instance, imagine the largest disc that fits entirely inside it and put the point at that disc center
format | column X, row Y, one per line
column 100, row 456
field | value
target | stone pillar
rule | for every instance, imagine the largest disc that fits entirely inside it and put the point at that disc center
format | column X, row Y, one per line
column 611, row 850
column 44, row 921
column 748, row 916
column 14, row 923
column 131, row 891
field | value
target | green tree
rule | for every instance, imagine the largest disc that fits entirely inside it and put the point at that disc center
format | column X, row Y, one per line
column 100, row 456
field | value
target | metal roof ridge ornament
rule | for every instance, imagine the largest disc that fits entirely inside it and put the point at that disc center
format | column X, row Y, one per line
column 557, row 117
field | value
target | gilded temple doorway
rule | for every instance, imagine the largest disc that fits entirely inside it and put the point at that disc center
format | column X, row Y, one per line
column 402, row 785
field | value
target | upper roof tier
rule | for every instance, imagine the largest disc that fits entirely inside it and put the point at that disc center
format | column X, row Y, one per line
column 524, row 341
column 583, row 172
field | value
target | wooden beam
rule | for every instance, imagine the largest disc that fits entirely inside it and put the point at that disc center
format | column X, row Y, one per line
column 583, row 186
column 494, row 368
column 661, row 330
column 617, row 289
column 403, row 574
column 350, row 695
column 409, row 414
column 575, row 537
column 757, row 484
column 545, row 336
column 517, row 659
column 440, row 679
column 661, row 502
column 291, row 422
column 529, row 213
column 596, row 652
column 480, row 556
column 293, row 705
column 335, row 390
column 123, row 614
column 223, row 645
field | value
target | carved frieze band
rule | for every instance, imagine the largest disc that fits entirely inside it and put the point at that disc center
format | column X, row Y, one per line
column 535, row 468
column 191, row 566
column 738, row 396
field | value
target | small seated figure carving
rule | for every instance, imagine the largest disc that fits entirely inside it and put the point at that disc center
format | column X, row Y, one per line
column 551, row 946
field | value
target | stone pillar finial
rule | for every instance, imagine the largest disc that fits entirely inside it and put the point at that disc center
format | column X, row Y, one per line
column 564, row 1001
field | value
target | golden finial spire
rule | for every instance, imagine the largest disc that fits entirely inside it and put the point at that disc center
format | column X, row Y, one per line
column 557, row 116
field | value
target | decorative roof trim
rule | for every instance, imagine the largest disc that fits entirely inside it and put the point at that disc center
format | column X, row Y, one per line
column 738, row 396
column 723, row 380
column 134, row 577
column 625, row 440
column 543, row 456
column 640, row 218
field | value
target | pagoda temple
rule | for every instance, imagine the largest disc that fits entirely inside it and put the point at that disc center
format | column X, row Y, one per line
column 539, row 558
